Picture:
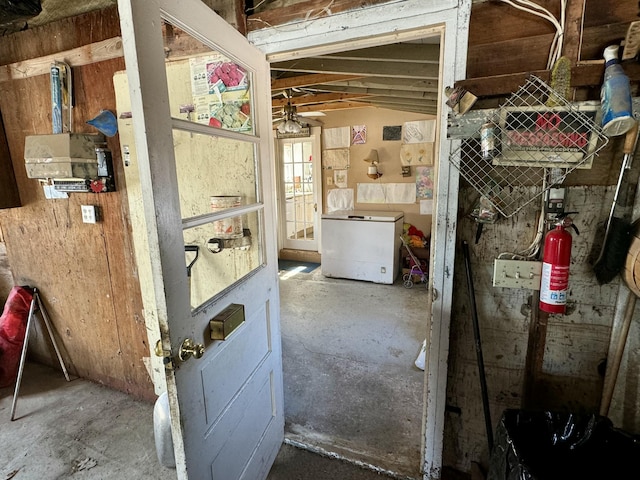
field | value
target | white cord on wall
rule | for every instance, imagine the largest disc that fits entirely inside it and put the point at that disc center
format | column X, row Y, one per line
column 530, row 7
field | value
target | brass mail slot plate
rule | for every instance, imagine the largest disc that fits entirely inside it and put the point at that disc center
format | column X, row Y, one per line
column 224, row 324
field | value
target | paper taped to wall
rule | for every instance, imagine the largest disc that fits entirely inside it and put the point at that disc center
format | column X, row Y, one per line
column 339, row 199
column 386, row 193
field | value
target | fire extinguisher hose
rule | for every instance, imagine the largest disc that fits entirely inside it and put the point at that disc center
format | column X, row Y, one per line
column 478, row 343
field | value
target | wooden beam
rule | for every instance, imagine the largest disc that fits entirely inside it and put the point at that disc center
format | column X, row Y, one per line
column 317, row 98
column 303, row 11
column 360, row 67
column 85, row 55
column 378, row 91
column 585, row 74
column 573, row 30
column 398, row 52
column 332, row 106
column 409, row 84
column 306, row 80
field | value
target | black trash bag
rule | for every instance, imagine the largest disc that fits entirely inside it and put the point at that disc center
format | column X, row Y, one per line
column 562, row 446
column 14, row 10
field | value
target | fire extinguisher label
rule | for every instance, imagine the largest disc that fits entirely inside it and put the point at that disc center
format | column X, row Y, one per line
column 554, row 284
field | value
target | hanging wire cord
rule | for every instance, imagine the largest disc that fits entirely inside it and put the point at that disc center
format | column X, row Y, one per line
column 530, row 7
column 532, row 250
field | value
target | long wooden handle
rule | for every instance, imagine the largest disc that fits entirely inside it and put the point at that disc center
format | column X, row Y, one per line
column 630, row 140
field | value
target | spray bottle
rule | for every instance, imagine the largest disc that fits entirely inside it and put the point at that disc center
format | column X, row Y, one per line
column 615, row 96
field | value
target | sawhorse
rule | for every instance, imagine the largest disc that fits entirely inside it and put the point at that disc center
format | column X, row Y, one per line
column 36, row 303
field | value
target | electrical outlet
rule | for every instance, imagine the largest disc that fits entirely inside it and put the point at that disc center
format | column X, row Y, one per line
column 517, row 274
column 89, row 214
column 329, row 181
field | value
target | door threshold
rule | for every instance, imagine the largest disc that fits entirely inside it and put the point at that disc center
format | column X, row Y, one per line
column 337, row 456
column 299, row 255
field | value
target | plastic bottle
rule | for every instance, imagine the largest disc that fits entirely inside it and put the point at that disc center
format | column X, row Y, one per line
column 615, row 96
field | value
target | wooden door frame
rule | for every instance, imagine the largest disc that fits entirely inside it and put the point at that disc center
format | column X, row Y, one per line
column 317, row 185
column 393, row 23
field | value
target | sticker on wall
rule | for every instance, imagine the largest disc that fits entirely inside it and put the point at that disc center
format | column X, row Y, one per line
column 424, row 182
column 340, row 178
column 419, row 131
column 358, row 135
column 392, row 132
column 339, row 137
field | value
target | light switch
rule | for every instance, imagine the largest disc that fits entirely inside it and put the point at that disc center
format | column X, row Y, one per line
column 89, row 213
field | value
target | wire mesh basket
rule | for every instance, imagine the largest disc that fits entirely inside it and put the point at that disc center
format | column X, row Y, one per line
column 535, row 138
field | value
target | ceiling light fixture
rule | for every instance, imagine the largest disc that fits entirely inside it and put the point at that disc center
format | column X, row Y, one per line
column 290, row 124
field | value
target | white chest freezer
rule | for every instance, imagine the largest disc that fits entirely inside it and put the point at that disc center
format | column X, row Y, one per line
column 361, row 245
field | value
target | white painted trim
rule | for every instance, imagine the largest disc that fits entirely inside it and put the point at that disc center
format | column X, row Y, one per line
column 393, row 22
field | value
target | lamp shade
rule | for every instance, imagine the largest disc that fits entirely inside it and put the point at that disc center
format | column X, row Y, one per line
column 372, row 157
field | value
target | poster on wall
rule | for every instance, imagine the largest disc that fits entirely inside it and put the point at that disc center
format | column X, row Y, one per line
column 419, row 131
column 424, row 182
column 339, row 137
column 336, row 159
column 221, row 94
column 359, row 135
column 416, row 154
column 390, row 133
column 386, row 193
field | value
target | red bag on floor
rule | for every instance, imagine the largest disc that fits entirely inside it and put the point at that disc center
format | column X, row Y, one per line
column 13, row 326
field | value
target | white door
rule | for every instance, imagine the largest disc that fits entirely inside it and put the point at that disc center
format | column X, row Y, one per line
column 202, row 131
column 300, row 181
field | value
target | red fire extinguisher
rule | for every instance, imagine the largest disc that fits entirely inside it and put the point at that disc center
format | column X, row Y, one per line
column 554, row 284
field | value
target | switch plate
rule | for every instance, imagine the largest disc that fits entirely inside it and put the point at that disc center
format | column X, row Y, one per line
column 89, row 214
column 517, row 274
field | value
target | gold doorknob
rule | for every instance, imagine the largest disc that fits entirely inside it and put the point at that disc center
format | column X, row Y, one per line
column 190, row 348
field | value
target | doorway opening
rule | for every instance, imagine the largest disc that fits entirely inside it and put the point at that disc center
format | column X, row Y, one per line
column 300, row 191
column 352, row 388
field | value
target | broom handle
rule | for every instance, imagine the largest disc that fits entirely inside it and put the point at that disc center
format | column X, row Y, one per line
column 627, row 149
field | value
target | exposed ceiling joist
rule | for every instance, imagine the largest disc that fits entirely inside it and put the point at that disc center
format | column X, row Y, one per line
column 408, row 84
column 310, row 99
column 360, row 67
column 416, row 95
column 332, row 106
column 299, row 81
column 403, row 52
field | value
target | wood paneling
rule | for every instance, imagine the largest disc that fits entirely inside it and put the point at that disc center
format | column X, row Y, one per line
column 86, row 272
column 9, row 196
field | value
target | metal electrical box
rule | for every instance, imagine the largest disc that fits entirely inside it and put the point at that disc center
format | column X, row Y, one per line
column 62, row 155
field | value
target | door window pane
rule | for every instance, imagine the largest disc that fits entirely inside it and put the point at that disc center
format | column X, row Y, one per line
column 221, row 261
column 207, row 86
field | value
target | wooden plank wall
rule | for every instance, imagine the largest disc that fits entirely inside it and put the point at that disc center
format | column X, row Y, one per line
column 575, row 344
column 86, row 272
column 9, row 196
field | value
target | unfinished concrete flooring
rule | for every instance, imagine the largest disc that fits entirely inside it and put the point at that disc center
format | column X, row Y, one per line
column 75, row 429
column 351, row 386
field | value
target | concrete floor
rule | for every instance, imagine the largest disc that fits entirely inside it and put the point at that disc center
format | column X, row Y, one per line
column 350, row 383
column 85, row 431
column 350, row 388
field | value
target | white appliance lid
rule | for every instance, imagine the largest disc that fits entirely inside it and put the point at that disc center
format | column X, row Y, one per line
column 364, row 215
